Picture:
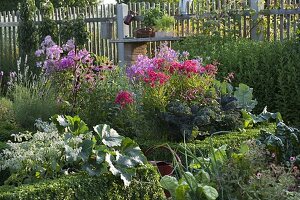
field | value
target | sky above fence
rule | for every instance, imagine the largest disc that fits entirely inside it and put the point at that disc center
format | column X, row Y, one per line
column 109, row 1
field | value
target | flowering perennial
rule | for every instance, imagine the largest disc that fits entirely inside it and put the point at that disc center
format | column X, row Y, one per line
column 165, row 63
column 124, row 98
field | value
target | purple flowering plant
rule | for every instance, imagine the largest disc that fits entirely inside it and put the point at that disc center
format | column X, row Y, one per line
column 71, row 69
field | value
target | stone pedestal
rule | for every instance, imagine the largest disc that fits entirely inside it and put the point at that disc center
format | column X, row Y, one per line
column 132, row 50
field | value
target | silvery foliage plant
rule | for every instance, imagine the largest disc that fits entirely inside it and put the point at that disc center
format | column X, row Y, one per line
column 67, row 146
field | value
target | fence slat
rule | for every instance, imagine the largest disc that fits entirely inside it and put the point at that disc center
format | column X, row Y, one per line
column 225, row 16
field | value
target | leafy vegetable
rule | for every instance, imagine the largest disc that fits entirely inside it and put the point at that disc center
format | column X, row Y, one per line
column 284, row 143
column 244, row 96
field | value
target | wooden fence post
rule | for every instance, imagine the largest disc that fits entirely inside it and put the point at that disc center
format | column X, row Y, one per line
column 256, row 32
column 122, row 31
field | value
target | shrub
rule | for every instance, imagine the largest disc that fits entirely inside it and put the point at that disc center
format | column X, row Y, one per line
column 268, row 67
column 202, row 147
column 81, row 186
column 6, row 112
column 7, row 120
column 33, row 102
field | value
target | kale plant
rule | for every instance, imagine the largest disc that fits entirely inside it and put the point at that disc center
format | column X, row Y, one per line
column 284, row 143
column 191, row 121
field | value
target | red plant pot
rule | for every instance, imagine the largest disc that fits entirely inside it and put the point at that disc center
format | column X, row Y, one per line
column 164, row 169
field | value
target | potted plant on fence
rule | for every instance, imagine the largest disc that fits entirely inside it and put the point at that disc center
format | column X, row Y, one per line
column 150, row 16
column 164, row 26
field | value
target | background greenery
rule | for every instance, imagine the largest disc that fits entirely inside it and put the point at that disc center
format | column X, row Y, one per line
column 84, row 187
column 271, row 68
column 7, row 5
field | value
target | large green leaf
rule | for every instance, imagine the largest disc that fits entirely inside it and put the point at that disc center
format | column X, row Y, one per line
column 247, row 118
column 202, row 177
column 244, row 96
column 125, row 161
column 87, row 148
column 108, row 136
column 126, row 175
column 170, row 183
column 71, row 155
column 209, row 192
column 265, row 116
column 182, row 192
column 190, row 179
column 110, row 160
column 131, row 149
column 76, row 125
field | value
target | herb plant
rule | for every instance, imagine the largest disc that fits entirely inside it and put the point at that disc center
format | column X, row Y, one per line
column 165, row 23
column 151, row 15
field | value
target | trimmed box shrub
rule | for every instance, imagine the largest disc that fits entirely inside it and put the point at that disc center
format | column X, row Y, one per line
column 81, row 186
column 233, row 140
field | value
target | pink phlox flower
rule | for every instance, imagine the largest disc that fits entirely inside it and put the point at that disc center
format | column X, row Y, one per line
column 54, row 52
column 66, row 63
column 191, row 66
column 69, row 46
column 211, row 69
column 167, row 53
column 142, row 64
column 48, row 42
column 185, row 54
column 154, row 77
column 124, row 98
column 83, row 53
column 159, row 63
column 39, row 52
column 174, row 66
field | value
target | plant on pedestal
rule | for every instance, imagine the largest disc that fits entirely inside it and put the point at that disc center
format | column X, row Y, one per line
column 164, row 26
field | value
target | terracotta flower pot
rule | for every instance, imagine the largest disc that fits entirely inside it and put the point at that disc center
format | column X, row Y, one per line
column 164, row 168
column 144, row 33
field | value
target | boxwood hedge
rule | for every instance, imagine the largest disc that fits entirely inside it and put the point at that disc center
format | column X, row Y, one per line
column 201, row 147
column 83, row 187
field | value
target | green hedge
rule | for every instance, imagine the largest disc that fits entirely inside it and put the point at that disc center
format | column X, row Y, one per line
column 233, row 140
column 271, row 68
column 83, row 187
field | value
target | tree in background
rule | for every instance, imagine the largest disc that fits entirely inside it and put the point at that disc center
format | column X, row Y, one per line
column 7, row 5
column 64, row 3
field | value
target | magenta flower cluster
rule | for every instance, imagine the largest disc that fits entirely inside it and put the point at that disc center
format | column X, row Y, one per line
column 165, row 63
